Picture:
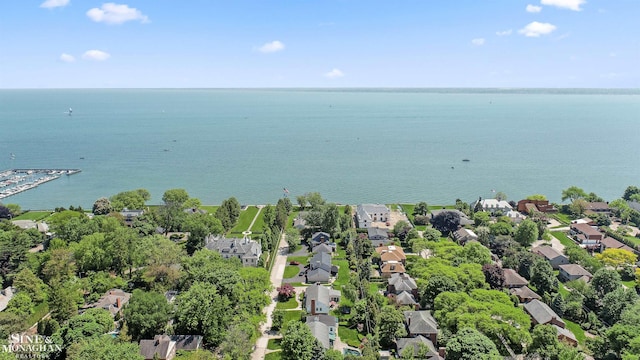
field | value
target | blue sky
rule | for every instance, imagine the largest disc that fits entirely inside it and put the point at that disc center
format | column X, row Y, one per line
column 319, row 43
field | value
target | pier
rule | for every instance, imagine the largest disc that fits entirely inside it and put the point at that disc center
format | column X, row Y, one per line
column 18, row 180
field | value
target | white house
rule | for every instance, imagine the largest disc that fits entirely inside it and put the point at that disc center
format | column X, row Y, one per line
column 493, row 206
column 366, row 214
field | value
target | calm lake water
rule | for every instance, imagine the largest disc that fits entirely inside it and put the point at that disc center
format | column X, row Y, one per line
column 353, row 146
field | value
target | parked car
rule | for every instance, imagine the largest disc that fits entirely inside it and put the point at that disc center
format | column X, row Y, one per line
column 294, row 263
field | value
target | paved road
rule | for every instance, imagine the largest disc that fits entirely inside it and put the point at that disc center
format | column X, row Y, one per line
column 277, row 272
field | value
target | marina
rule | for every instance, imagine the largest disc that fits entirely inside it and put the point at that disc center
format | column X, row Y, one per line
column 18, row 180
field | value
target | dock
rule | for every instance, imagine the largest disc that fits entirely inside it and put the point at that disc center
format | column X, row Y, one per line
column 15, row 181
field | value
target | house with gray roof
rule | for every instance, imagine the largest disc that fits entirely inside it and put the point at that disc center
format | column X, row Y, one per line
column 402, row 282
column 542, row 314
column 405, row 299
column 322, row 261
column 317, row 276
column 321, row 332
column 318, row 299
column 367, row 214
column 421, row 323
column 572, row 272
column 513, row 280
column 331, row 322
column 463, row 236
column 416, row 343
column 323, row 248
column 5, row 296
column 160, row 348
column 464, row 219
column 113, row 301
column 553, row 256
column 320, row 237
column 300, row 222
column 247, row 250
column 524, row 294
column 378, row 236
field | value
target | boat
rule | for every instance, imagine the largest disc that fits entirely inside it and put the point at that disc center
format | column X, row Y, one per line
column 466, row 160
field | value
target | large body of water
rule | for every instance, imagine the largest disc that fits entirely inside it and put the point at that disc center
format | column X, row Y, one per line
column 352, row 146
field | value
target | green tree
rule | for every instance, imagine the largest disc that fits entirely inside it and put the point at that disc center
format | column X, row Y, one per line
column 302, row 201
column 536, row 197
column 421, row 208
column 104, row 348
column 146, row 314
column 390, row 325
column 481, row 218
column 630, row 191
column 133, row 199
column 26, row 281
column 615, row 302
column 605, row 281
column 470, row 344
column 238, row 343
column 277, row 319
column 446, row 222
column 20, row 304
column 202, row 310
column 500, row 196
column 60, row 266
column 545, row 342
column 572, row 193
column 526, row 233
column 292, row 235
column 617, row 257
column 578, row 207
column 315, row 200
column 92, row 323
column 543, row 278
column 63, row 299
column 297, row 342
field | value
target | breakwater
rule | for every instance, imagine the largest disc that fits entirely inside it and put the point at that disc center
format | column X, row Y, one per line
column 16, row 181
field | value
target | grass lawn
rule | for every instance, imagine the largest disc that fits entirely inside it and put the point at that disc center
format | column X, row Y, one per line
column 293, row 315
column 374, row 287
column 211, row 209
column 629, row 283
column 341, row 254
column 576, row 330
column 562, row 218
column 343, row 273
column 289, row 304
column 301, row 259
column 291, row 271
column 349, row 336
column 245, row 219
column 634, row 240
column 564, row 239
column 274, row 344
column 258, row 226
column 33, row 215
column 563, row 290
column 292, row 216
column 277, row 355
column 39, row 311
column 408, row 209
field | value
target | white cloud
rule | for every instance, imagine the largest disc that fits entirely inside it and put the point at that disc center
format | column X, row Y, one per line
column 50, row 4
column 271, row 47
column 612, row 54
column 504, row 33
column 334, row 74
column 535, row 29
column 533, row 8
column 111, row 13
column 96, row 55
column 67, row 58
column 478, row 42
column 565, row 4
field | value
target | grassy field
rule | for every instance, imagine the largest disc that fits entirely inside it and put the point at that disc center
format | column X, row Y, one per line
column 274, row 344
column 277, row 355
column 563, row 290
column 301, row 259
column 33, row 215
column 629, row 283
column 293, row 315
column 291, row 271
column 292, row 216
column 289, row 304
column 245, row 219
column 258, row 226
column 564, row 239
column 349, row 336
column 634, row 240
column 343, row 273
column 576, row 330
column 562, row 218
column 39, row 311
column 211, row 209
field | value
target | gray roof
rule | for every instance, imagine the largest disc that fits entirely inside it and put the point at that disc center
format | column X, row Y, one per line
column 402, row 343
column 318, row 275
column 377, row 232
column 318, row 293
column 464, row 219
column 160, row 347
column 321, row 261
column 547, row 251
column 513, row 279
column 420, row 322
column 109, row 301
column 322, row 248
column 524, row 293
column 6, row 295
column 318, row 236
column 402, row 282
column 187, row 342
column 404, row 298
column 575, row 270
column 541, row 312
column 242, row 248
column 321, row 332
column 565, row 332
column 328, row 320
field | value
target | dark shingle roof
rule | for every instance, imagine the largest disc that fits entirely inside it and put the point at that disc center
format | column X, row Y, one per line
column 420, row 322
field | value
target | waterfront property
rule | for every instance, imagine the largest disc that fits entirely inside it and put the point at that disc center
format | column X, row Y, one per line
column 245, row 249
column 368, row 214
column 553, row 256
column 15, row 181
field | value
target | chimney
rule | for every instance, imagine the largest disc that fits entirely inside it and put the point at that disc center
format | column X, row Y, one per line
column 313, row 307
column 118, row 303
column 442, row 352
column 409, row 320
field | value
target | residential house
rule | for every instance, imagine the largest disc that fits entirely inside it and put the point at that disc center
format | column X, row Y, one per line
column 323, row 248
column 130, row 215
column 317, row 276
column 321, row 332
column 300, row 222
column 404, row 299
column 378, row 236
column 542, row 314
column 528, row 206
column 320, row 237
column 463, row 236
column 113, row 300
column 391, row 253
column 464, row 219
column 524, row 294
column 553, row 256
column 367, row 214
column 331, row 324
column 318, row 299
column 322, row 260
column 515, row 216
column 494, row 206
column 399, row 283
column 565, row 335
column 572, row 272
column 586, row 235
column 513, row 280
column 597, row 208
column 391, row 267
column 247, row 250
column 416, row 343
column 160, row 348
column 611, row 243
column 421, row 323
